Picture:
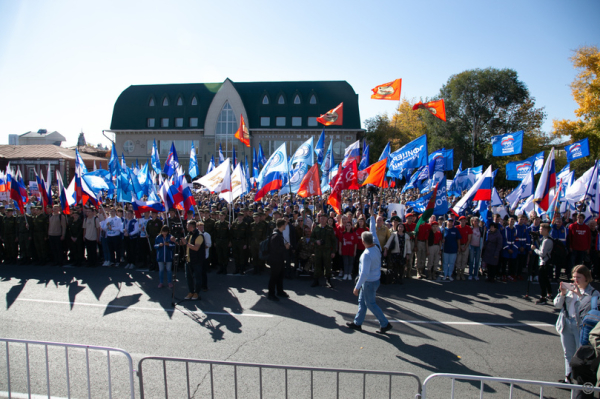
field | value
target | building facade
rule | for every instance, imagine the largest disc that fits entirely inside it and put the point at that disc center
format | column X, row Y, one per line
column 41, row 137
column 208, row 115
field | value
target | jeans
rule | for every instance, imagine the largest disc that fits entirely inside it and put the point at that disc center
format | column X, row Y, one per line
column 348, row 264
column 105, row 249
column 569, row 338
column 161, row 272
column 448, row 263
column 366, row 300
column 474, row 260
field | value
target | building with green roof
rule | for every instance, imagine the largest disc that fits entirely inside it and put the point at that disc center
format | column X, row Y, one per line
column 208, row 114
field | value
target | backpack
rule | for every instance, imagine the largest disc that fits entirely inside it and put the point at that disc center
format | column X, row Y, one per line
column 264, row 249
column 584, row 365
column 589, row 322
column 559, row 252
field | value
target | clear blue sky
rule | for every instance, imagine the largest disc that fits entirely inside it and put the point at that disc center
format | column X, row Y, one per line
column 64, row 63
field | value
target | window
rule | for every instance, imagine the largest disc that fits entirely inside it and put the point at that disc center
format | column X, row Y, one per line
column 178, row 122
column 181, row 146
column 164, row 122
column 193, row 122
column 227, row 123
column 296, row 121
column 281, row 100
column 128, row 146
column 313, row 99
column 339, row 148
column 280, row 121
column 166, row 102
column 179, row 102
column 151, row 103
column 265, row 100
column 265, row 121
column 194, row 101
column 32, row 174
column 312, row 121
column 297, row 99
column 150, row 122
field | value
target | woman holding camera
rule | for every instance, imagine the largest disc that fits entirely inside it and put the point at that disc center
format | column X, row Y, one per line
column 575, row 301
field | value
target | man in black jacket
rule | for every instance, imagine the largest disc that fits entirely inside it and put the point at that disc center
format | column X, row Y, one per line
column 195, row 251
column 277, row 253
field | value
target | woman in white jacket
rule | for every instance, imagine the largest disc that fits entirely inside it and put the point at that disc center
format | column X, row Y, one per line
column 398, row 246
column 575, row 302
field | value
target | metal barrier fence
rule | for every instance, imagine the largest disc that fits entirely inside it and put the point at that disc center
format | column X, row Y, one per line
column 512, row 383
column 40, row 366
column 268, row 377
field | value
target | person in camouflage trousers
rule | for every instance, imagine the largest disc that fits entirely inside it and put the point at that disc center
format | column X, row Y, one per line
column 306, row 251
column 25, row 237
column 222, row 237
column 40, row 235
column 259, row 231
column 324, row 238
column 9, row 235
column 239, row 242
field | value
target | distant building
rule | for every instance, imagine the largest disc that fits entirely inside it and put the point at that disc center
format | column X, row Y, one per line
column 33, row 158
column 208, row 114
column 13, row 139
column 41, row 137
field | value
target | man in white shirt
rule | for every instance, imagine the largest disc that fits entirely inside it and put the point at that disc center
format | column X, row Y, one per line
column 113, row 226
column 131, row 235
column 143, row 243
column 207, row 244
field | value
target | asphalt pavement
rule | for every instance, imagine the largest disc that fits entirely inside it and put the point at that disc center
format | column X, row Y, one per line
column 463, row 327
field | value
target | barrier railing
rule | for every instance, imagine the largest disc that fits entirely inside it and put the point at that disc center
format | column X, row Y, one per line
column 259, row 383
column 512, row 383
column 39, row 366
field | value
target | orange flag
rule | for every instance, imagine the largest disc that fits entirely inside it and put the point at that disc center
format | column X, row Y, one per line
column 310, row 185
column 333, row 117
column 376, row 173
column 437, row 108
column 387, row 91
column 242, row 133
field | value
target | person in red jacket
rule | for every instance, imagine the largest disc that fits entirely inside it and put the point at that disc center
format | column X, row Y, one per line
column 421, row 245
column 580, row 240
column 409, row 228
column 462, row 258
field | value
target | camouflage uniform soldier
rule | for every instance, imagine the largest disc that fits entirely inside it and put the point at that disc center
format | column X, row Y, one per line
column 324, row 238
column 239, row 242
column 40, row 236
column 222, row 242
column 153, row 228
column 259, row 231
column 9, row 234
column 25, row 236
column 75, row 239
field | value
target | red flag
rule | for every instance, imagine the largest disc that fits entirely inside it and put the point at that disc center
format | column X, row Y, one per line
column 310, row 184
column 347, row 181
column 387, row 91
column 242, row 133
column 376, row 173
column 437, row 108
column 333, row 117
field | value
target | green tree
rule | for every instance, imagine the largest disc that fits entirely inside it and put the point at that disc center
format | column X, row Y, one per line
column 586, row 92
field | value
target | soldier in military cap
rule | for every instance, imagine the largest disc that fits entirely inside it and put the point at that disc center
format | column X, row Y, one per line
column 259, row 231
column 222, row 242
column 9, row 235
column 239, row 242
column 324, row 238
column 24, row 236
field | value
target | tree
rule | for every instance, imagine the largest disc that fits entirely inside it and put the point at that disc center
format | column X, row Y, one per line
column 586, row 92
column 380, row 130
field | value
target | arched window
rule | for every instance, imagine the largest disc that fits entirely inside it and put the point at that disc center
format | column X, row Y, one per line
column 281, row 100
column 194, row 101
column 151, row 103
column 313, row 99
column 227, row 123
column 297, row 99
column 179, row 102
column 265, row 100
column 166, row 102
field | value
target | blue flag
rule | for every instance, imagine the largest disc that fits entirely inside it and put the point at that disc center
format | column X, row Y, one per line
column 221, row 157
column 262, row 160
column 172, row 162
column 255, row 170
column 412, row 155
column 193, row 167
column 507, row 144
column 304, row 154
column 386, row 152
column 320, row 148
column 441, row 201
column 155, row 158
column 234, row 160
column 113, row 164
column 519, row 169
column 447, row 155
column 579, row 149
column 364, row 161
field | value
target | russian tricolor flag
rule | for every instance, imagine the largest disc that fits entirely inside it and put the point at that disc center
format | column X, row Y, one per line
column 140, row 207
column 274, row 173
column 63, row 195
column 547, row 183
column 484, row 192
column 352, row 153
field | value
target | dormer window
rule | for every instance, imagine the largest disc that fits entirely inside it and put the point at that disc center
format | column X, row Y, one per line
column 297, row 99
column 194, row 101
column 151, row 103
column 166, row 102
column 281, row 100
column 313, row 99
column 265, row 100
column 179, row 102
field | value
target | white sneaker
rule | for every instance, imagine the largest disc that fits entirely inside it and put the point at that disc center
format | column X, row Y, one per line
column 470, row 277
column 450, row 278
column 106, row 264
column 128, row 266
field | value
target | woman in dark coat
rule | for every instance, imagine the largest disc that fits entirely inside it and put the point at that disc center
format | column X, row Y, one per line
column 278, row 249
column 491, row 251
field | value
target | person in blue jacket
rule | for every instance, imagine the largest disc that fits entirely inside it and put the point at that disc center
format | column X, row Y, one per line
column 561, row 233
column 164, row 245
column 523, row 241
column 509, row 251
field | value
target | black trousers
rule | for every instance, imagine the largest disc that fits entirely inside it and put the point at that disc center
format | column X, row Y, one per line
column 114, row 248
column 131, row 246
column 193, row 275
column 56, row 247
column 544, row 279
column 91, row 247
column 276, row 279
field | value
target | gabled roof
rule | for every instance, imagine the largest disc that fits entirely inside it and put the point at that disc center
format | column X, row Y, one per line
column 56, row 136
column 132, row 110
column 46, row 151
